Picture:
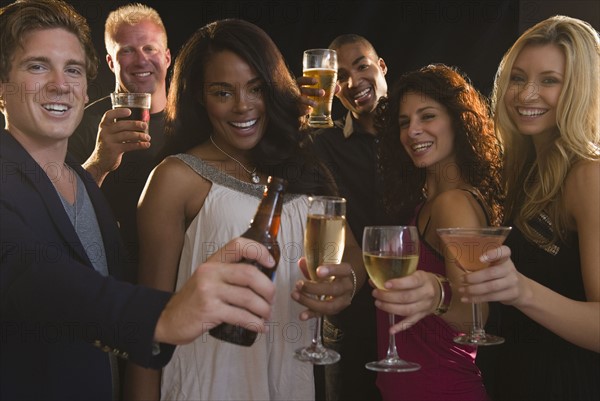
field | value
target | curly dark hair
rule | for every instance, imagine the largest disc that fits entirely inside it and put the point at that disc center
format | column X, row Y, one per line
column 478, row 150
column 283, row 150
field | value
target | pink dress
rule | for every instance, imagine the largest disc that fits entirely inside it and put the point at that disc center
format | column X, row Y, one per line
column 448, row 371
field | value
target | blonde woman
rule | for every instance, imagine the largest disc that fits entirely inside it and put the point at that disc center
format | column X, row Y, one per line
column 547, row 278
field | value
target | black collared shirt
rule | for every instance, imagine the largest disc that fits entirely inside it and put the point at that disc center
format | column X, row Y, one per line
column 351, row 155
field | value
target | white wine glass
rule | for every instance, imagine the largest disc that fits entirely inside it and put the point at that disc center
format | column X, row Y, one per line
column 465, row 246
column 324, row 241
column 390, row 252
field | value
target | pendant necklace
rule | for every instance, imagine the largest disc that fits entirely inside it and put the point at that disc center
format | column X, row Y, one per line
column 253, row 176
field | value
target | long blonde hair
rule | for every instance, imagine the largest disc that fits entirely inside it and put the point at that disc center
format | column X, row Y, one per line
column 534, row 183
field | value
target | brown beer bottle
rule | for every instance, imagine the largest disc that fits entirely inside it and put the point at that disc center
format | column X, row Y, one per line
column 263, row 228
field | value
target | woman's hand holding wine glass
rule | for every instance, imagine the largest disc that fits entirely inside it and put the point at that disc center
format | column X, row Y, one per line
column 336, row 283
column 413, row 297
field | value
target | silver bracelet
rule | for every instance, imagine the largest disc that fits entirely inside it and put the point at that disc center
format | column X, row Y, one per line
column 353, row 283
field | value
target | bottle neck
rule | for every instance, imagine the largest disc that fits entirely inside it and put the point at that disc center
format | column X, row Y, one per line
column 265, row 225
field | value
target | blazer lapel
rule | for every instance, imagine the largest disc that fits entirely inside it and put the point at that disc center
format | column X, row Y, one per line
column 37, row 178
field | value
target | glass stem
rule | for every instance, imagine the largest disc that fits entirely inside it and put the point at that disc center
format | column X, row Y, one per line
column 317, row 340
column 392, row 353
column 477, row 330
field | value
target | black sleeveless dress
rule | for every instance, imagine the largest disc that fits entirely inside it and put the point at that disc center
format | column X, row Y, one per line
column 534, row 363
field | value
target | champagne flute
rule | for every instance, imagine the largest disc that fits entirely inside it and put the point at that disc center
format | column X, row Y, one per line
column 324, row 241
column 465, row 246
column 390, row 252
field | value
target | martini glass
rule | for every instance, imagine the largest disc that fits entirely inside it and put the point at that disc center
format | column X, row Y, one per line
column 465, row 246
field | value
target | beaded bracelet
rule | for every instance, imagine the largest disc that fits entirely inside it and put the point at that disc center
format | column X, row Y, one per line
column 353, row 283
column 445, row 295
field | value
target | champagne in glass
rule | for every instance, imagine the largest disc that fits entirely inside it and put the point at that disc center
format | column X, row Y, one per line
column 324, row 241
column 465, row 246
column 390, row 252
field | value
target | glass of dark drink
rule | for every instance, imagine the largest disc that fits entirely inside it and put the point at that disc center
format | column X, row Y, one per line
column 138, row 103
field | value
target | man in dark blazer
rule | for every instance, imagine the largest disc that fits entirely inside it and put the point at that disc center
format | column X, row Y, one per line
column 64, row 314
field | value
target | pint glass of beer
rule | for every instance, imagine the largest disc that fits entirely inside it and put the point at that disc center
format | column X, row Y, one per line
column 138, row 103
column 322, row 65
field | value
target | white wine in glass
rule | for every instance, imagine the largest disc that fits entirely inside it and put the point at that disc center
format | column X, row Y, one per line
column 324, row 241
column 390, row 252
column 465, row 246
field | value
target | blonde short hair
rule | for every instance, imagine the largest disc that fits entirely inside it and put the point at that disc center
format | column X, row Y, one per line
column 130, row 14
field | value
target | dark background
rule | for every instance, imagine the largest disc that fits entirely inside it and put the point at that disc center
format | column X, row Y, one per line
column 469, row 34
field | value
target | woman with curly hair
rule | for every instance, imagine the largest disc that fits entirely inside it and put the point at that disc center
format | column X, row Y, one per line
column 546, row 101
column 440, row 160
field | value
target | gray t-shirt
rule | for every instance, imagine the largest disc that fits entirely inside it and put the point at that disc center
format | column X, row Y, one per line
column 83, row 218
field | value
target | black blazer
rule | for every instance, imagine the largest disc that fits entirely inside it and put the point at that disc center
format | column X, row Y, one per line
column 59, row 317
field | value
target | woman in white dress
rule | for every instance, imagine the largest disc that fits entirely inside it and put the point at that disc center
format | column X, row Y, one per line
column 233, row 114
